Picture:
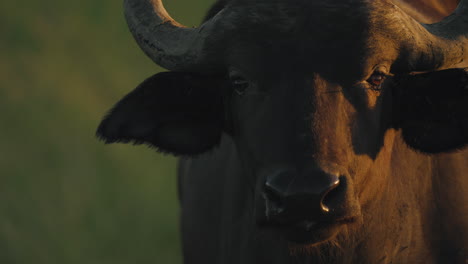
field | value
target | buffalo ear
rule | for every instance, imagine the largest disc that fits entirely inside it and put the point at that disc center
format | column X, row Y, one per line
column 175, row 112
column 432, row 110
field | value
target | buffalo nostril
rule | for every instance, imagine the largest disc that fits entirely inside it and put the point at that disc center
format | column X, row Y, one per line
column 330, row 195
column 274, row 198
column 298, row 196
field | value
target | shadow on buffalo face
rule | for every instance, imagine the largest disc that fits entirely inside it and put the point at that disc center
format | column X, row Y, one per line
column 315, row 132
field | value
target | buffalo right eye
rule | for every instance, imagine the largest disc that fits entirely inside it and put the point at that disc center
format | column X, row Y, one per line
column 376, row 80
column 239, row 85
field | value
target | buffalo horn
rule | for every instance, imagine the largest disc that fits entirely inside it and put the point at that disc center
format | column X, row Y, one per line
column 437, row 46
column 168, row 43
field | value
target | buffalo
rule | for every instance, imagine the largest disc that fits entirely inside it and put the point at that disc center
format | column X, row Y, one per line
column 309, row 131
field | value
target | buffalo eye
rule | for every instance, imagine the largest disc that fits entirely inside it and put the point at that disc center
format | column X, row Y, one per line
column 376, row 80
column 239, row 84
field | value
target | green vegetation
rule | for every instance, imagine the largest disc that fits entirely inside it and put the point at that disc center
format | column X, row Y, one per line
column 65, row 197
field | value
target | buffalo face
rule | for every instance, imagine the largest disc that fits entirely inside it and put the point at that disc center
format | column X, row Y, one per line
column 311, row 145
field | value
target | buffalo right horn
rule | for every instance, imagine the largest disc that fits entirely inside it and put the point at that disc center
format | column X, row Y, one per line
column 435, row 46
column 168, row 43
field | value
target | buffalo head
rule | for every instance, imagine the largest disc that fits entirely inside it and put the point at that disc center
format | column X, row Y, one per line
column 314, row 94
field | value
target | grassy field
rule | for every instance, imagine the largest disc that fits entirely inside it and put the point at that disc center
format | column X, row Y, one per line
column 66, row 198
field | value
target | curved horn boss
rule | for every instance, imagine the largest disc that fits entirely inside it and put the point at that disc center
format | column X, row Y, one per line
column 168, row 43
column 427, row 47
column 423, row 47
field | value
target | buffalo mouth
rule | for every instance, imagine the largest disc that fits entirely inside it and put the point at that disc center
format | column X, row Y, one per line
column 309, row 232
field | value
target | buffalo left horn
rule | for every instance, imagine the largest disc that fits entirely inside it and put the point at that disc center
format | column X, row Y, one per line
column 168, row 43
column 437, row 46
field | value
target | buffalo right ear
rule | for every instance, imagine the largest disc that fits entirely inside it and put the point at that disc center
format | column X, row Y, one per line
column 175, row 112
column 432, row 110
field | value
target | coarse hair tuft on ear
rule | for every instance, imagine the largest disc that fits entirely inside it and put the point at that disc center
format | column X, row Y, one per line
column 174, row 112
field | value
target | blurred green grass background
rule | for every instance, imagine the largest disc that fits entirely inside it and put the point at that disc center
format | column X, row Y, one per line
column 65, row 197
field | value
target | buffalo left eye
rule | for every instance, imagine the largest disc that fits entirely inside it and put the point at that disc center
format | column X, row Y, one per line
column 240, row 85
column 376, row 80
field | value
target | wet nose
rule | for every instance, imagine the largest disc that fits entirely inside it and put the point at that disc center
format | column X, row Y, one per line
column 292, row 196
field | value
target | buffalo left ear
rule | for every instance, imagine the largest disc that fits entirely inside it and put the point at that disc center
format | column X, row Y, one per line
column 175, row 112
column 432, row 110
